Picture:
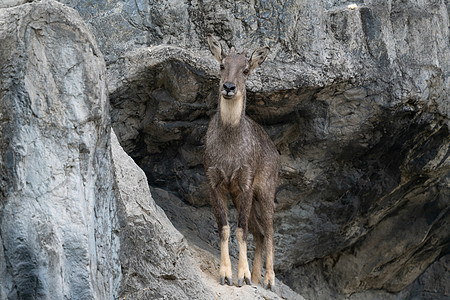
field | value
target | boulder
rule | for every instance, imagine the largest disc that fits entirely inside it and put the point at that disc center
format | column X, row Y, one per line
column 77, row 220
column 58, row 213
column 155, row 258
column 355, row 98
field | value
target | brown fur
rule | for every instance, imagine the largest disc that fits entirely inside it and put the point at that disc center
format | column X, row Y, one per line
column 241, row 159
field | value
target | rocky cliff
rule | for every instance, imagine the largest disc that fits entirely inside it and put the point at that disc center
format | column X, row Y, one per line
column 77, row 220
column 355, row 97
column 57, row 206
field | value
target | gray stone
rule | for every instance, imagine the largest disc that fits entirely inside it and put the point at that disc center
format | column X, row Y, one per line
column 355, row 98
column 12, row 3
column 349, row 166
column 155, row 257
column 77, row 220
column 432, row 283
column 357, row 105
column 58, row 212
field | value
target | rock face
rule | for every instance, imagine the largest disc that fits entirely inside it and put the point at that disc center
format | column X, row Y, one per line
column 77, row 220
column 355, row 98
column 155, row 258
column 57, row 205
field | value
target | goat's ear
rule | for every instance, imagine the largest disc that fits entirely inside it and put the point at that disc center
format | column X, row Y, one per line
column 258, row 57
column 216, row 48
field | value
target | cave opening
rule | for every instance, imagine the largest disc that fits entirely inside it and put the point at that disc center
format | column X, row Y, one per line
column 347, row 155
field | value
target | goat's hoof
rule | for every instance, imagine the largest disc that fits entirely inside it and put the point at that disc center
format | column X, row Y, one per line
column 240, row 282
column 227, row 279
column 230, row 281
column 269, row 286
column 247, row 280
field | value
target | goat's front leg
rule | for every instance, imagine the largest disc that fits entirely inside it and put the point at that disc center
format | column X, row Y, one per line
column 225, row 263
column 245, row 203
column 221, row 213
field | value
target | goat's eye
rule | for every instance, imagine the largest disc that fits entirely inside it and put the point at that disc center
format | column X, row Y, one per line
column 246, row 71
column 222, row 66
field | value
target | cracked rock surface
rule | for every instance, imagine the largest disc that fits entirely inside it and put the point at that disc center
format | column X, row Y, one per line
column 57, row 206
column 356, row 99
column 77, row 220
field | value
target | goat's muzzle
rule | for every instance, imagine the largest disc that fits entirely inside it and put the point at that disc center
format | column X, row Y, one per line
column 228, row 90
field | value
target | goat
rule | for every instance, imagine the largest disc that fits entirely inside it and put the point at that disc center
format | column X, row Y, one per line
column 240, row 159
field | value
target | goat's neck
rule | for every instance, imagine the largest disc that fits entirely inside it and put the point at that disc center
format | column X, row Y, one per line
column 231, row 111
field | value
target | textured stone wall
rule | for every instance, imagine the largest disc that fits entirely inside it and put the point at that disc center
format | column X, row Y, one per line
column 77, row 220
column 57, row 206
column 356, row 100
column 156, row 260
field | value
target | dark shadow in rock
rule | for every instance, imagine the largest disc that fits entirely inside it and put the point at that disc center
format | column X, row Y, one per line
column 353, row 161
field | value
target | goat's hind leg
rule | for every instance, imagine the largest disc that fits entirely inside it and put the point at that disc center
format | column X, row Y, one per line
column 269, row 277
column 267, row 216
column 265, row 197
column 258, row 236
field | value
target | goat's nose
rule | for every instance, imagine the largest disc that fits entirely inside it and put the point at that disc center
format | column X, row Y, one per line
column 229, row 87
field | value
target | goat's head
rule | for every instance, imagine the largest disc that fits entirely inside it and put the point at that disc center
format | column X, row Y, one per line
column 235, row 68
